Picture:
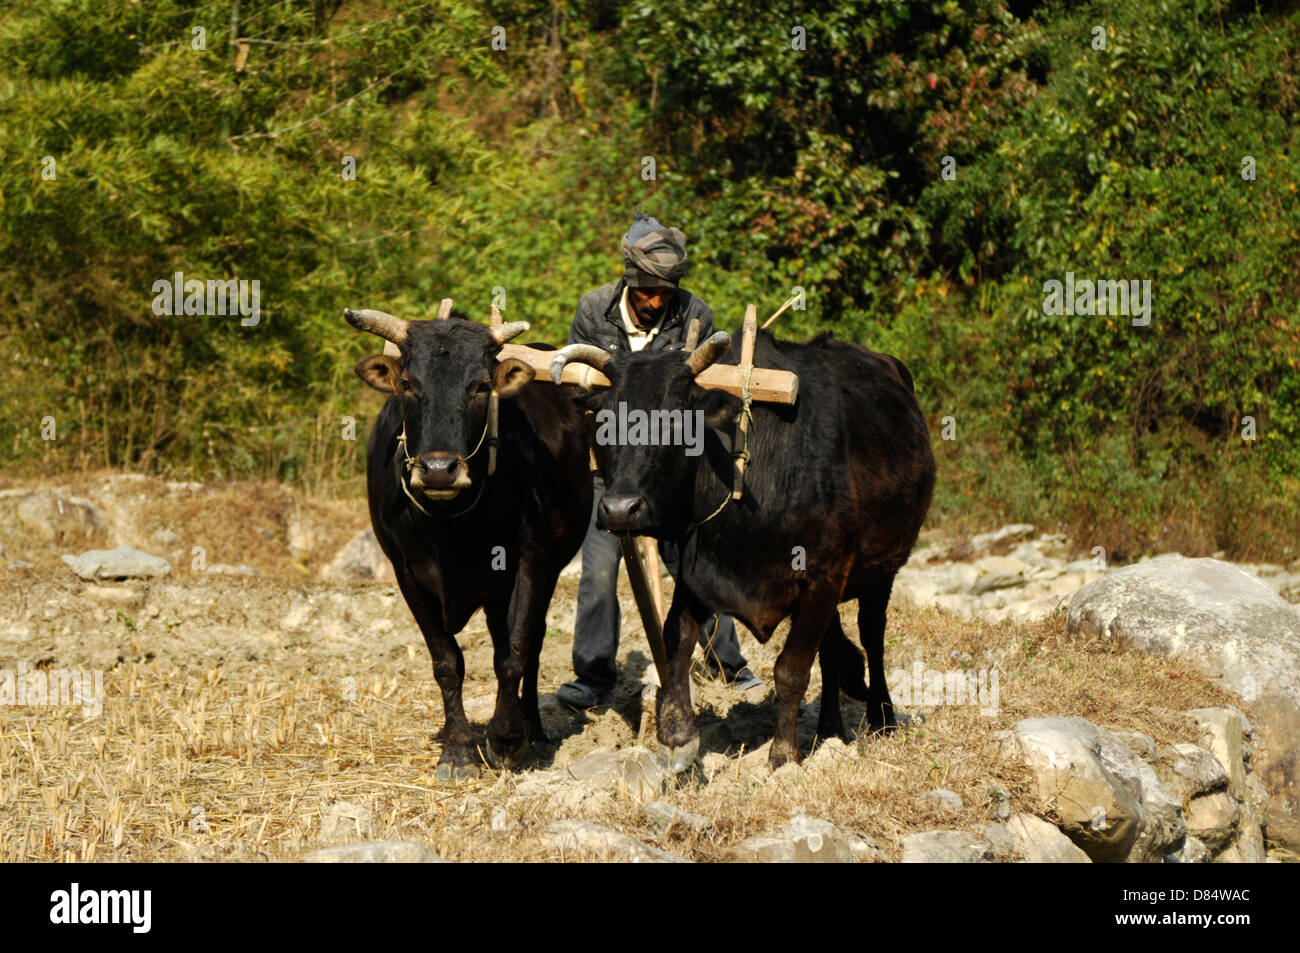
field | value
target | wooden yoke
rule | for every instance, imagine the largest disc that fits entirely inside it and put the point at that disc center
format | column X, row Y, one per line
column 768, row 386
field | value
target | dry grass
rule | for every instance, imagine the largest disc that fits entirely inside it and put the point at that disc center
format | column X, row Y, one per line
column 260, row 701
column 263, row 757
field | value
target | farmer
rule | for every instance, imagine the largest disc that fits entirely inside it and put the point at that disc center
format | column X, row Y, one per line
column 643, row 309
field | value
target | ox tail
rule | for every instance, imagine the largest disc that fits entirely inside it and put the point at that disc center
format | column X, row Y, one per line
column 848, row 661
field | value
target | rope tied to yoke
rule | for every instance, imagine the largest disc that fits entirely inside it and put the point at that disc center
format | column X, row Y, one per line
column 746, row 412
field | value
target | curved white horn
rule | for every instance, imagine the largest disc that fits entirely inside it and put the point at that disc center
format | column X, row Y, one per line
column 582, row 353
column 502, row 333
column 378, row 322
column 709, row 352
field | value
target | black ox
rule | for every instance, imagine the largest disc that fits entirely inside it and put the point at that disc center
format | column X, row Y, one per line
column 459, row 538
column 835, row 493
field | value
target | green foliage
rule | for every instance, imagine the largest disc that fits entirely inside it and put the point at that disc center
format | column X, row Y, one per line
column 480, row 169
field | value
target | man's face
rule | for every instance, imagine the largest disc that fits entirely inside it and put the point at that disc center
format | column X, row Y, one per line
column 648, row 303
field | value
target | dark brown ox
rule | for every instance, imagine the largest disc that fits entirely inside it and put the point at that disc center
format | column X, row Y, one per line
column 835, row 493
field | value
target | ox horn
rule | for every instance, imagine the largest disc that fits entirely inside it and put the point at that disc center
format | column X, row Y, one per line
column 708, row 353
column 589, row 354
column 502, row 333
column 378, row 322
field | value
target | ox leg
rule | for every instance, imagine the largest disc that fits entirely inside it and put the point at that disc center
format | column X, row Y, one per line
column 507, row 736
column 872, row 603
column 537, row 630
column 679, row 741
column 458, row 758
column 793, row 668
column 830, row 723
column 517, row 644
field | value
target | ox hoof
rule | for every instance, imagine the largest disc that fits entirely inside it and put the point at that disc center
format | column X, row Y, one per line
column 678, row 759
column 507, row 757
column 448, row 773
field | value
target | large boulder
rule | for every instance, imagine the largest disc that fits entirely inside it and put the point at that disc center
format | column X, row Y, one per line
column 1224, row 621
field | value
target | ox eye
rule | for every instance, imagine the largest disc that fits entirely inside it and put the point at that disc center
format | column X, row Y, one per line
column 484, row 387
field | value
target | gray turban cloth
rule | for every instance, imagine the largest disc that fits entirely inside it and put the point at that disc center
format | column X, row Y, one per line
column 655, row 255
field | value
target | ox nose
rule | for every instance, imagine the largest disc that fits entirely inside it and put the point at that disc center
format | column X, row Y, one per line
column 622, row 512
column 436, row 471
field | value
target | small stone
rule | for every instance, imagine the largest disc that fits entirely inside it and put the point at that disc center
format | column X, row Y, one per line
column 1193, row 852
column 1189, row 770
column 343, row 820
column 376, row 852
column 941, row 801
column 805, row 840
column 120, row 563
column 1143, row 745
column 1223, row 731
column 1004, row 845
column 946, row 847
column 1042, row 843
column 664, row 816
column 637, row 767
column 1212, row 818
column 574, row 835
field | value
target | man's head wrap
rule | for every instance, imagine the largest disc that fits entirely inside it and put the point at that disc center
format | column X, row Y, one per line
column 655, row 256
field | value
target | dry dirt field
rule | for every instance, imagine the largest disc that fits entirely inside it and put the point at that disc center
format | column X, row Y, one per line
column 238, row 708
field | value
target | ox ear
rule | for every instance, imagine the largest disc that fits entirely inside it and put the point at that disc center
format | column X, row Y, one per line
column 510, row 376
column 380, row 372
column 720, row 408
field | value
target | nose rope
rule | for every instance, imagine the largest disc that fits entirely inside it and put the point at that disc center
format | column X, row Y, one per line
column 489, row 423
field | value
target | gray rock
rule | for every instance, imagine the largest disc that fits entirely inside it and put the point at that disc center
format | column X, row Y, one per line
column 941, row 800
column 222, row 569
column 1004, row 845
column 1223, row 732
column 806, row 840
column 1098, row 810
column 946, row 847
column 1011, row 533
column 1193, row 852
column 1189, row 770
column 1212, row 819
column 636, row 767
column 376, row 852
column 360, row 559
column 1143, row 745
column 1039, row 842
column 664, row 817
column 1224, row 621
column 998, row 572
column 1160, row 819
column 344, row 820
column 52, row 518
column 1000, row 804
column 1163, row 827
column 120, row 563
column 583, row 836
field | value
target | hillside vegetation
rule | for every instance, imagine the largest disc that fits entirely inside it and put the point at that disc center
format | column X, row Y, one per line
column 386, row 155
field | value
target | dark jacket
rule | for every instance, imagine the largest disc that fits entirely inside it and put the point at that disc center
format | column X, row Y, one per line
column 599, row 322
